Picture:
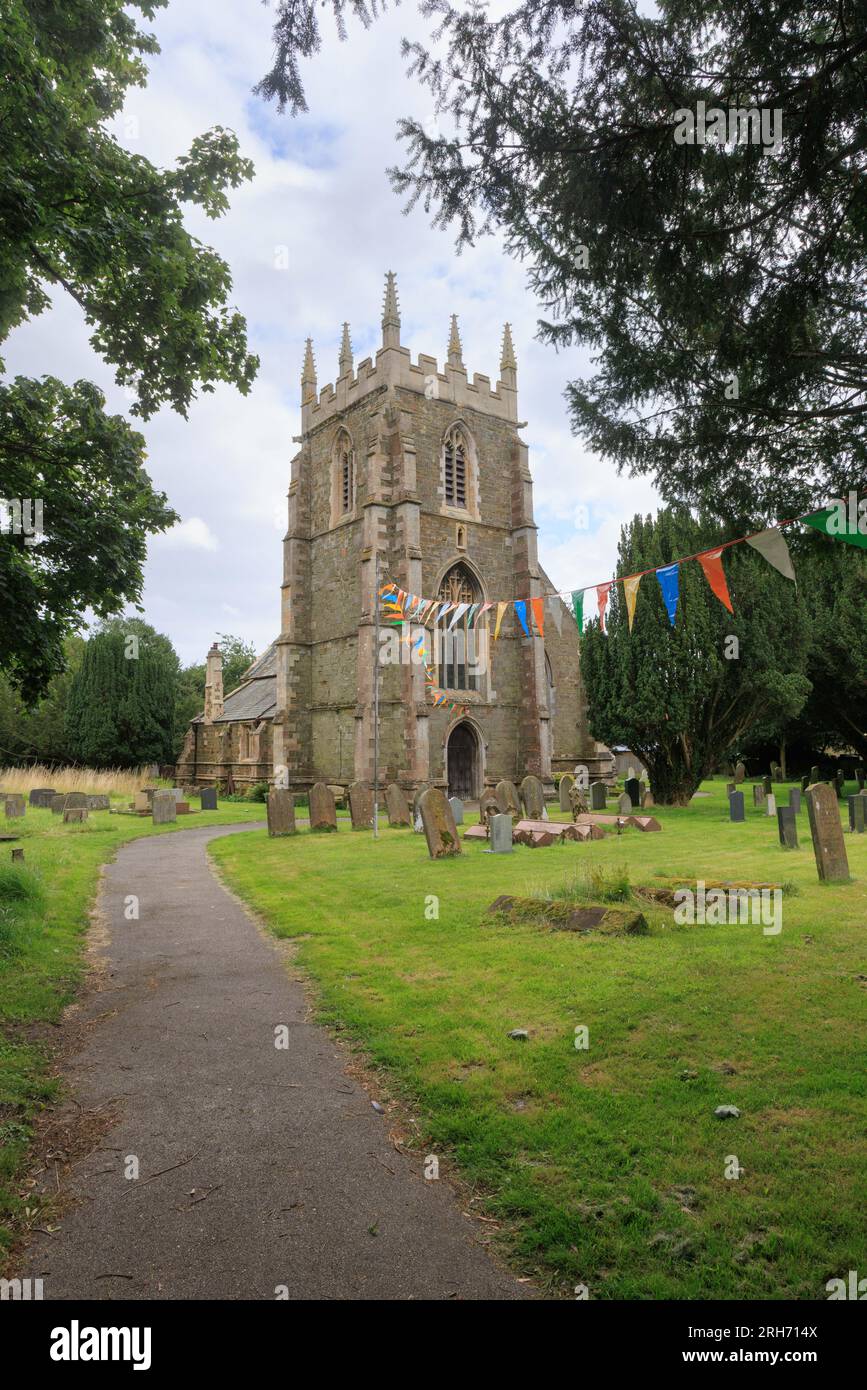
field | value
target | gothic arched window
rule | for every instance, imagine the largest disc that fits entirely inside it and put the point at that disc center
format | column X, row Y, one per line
column 457, row 647
column 455, row 469
column 344, row 476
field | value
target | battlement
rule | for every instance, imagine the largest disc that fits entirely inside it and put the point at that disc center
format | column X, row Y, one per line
column 393, row 366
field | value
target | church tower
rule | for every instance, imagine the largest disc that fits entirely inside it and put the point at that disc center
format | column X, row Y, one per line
column 415, row 475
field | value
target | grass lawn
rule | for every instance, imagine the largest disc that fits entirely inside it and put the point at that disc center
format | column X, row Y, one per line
column 607, row 1166
column 43, row 917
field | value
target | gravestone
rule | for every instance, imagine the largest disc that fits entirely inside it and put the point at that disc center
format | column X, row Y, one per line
column 598, row 793
column 624, row 804
column 730, row 787
column 41, row 797
column 566, row 781
column 736, row 806
column 814, row 775
column 439, row 825
column 182, row 808
column 14, row 805
column 839, row 781
column 164, row 807
column 632, row 787
column 76, row 815
column 533, row 797
column 767, row 786
column 323, row 814
column 281, row 812
column 647, row 800
column 577, row 800
column 58, row 801
column 795, row 799
column 99, row 802
column 488, row 807
column 859, row 778
column 740, row 772
column 758, row 794
column 208, row 798
column 770, row 806
column 507, row 798
column 829, row 847
column 141, row 802
column 805, row 782
column 776, row 772
column 857, row 809
column 75, row 800
column 787, row 827
column 457, row 809
column 361, row 806
column 397, row 805
column 417, row 798
column 501, row 834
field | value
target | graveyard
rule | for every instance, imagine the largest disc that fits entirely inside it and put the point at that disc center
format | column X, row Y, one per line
column 607, row 1164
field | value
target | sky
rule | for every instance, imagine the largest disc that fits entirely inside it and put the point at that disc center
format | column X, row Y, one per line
column 308, row 242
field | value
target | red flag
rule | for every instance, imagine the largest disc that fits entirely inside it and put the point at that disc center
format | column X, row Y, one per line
column 711, row 563
column 539, row 614
column 602, row 592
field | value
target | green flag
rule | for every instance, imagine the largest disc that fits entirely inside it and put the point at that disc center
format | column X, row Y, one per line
column 834, row 522
column 578, row 607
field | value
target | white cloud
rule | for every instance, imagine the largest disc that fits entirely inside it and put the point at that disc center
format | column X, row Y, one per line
column 193, row 534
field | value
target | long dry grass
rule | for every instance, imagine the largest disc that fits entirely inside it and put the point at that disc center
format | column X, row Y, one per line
column 115, row 781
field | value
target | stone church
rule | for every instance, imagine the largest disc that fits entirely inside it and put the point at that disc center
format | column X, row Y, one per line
column 417, row 476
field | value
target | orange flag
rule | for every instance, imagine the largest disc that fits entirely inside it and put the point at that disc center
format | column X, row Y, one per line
column 602, row 592
column 711, row 563
column 538, row 605
column 630, row 589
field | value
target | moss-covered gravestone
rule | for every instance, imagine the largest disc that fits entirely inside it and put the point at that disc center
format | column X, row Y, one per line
column 563, row 791
column 439, row 824
column 361, row 806
column 14, row 805
column 323, row 813
column 397, row 805
column 507, row 798
column 826, row 829
column 281, row 812
column 533, row 797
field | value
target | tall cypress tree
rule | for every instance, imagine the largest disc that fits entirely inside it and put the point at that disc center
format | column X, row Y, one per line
column 682, row 696
column 121, row 709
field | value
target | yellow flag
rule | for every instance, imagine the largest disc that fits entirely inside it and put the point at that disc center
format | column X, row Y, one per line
column 501, row 608
column 630, row 588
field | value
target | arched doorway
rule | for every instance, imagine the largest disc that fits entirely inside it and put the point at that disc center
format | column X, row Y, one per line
column 463, row 762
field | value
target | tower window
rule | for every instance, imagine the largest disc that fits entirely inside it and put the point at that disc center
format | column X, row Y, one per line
column 346, row 481
column 457, row 646
column 455, row 471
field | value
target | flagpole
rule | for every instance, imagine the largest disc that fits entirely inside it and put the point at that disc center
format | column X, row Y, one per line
column 376, row 694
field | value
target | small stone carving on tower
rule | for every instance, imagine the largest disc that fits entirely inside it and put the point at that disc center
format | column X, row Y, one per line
column 214, row 685
column 345, row 360
column 455, row 354
column 308, row 375
column 390, row 314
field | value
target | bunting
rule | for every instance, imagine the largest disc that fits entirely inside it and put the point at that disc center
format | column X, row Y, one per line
column 669, row 583
column 602, row 592
column 538, row 606
column 772, row 547
column 842, row 523
column 711, row 563
column 578, row 607
column 521, row 610
column 630, row 589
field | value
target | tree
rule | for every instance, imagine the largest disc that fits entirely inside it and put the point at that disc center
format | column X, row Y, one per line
column 121, row 710
column 38, row 734
column 81, row 214
column 682, row 697
column 719, row 286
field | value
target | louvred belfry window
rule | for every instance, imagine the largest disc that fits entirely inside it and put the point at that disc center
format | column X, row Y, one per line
column 346, row 481
column 455, row 470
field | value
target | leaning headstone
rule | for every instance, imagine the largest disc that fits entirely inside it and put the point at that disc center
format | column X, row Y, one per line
column 323, row 814
column 787, row 827
column 98, row 803
column 758, row 795
column 598, row 793
column 740, row 772
column 164, row 807
column 736, row 806
column 208, row 798
column 439, row 825
column 457, row 809
column 566, row 782
column 829, row 847
column 41, row 797
column 501, row 834
column 507, row 798
column 76, row 815
column 15, row 805
column 281, row 812
column 532, row 797
column 417, row 798
column 770, row 806
column 857, row 809
column 632, row 787
column 397, row 805
column 795, row 799
column 361, row 806
column 624, row 804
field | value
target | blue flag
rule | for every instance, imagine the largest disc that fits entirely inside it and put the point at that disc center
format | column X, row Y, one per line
column 521, row 610
column 669, row 583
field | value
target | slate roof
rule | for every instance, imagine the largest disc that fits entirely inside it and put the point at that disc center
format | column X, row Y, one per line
column 256, row 696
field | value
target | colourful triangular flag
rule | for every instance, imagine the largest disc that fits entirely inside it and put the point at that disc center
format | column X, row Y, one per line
column 578, row 607
column 771, row 545
column 669, row 583
column 521, row 610
column 602, row 592
column 538, row 606
column 835, row 522
column 630, row 590
column 501, row 608
column 458, row 614
column 711, row 563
